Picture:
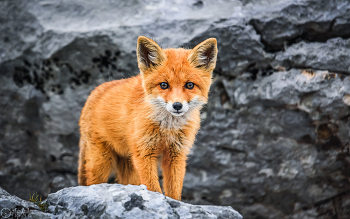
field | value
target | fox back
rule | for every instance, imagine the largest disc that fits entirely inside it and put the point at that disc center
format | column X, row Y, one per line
column 127, row 124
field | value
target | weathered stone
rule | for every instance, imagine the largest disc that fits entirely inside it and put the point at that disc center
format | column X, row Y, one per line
column 274, row 141
column 333, row 55
column 109, row 201
column 14, row 207
column 118, row 201
column 312, row 20
column 277, row 139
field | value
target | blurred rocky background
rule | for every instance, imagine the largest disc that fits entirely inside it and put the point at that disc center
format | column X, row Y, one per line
column 274, row 141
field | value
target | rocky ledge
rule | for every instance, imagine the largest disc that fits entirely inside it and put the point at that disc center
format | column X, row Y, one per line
column 109, row 201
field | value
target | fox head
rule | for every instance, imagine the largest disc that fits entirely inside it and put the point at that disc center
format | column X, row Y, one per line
column 176, row 81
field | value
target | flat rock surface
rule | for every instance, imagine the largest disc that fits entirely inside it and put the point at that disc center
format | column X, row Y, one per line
column 118, row 201
column 110, row 201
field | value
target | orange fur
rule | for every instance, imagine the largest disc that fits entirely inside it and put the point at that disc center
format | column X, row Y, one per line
column 125, row 124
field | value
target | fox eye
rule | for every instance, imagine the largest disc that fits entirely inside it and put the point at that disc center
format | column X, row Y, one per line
column 189, row 85
column 164, row 85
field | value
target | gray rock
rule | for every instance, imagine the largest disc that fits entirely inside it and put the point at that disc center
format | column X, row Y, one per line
column 290, row 21
column 14, row 207
column 277, row 139
column 109, row 201
column 118, row 201
column 332, row 55
column 274, row 141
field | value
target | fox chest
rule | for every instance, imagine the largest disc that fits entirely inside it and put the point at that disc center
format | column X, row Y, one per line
column 166, row 139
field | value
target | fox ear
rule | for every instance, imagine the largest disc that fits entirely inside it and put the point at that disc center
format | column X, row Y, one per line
column 149, row 54
column 204, row 55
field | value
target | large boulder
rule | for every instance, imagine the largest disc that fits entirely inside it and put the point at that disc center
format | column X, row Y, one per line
column 118, row 201
column 109, row 201
column 274, row 140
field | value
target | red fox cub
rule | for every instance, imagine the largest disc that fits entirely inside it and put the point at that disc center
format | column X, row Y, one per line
column 126, row 124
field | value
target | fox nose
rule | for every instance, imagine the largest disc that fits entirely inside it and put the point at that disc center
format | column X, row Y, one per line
column 177, row 105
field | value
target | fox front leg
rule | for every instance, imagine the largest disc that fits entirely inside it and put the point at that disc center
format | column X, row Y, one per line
column 145, row 162
column 174, row 168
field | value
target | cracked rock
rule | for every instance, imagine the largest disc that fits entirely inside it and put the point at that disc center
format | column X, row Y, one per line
column 118, row 201
column 333, row 55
